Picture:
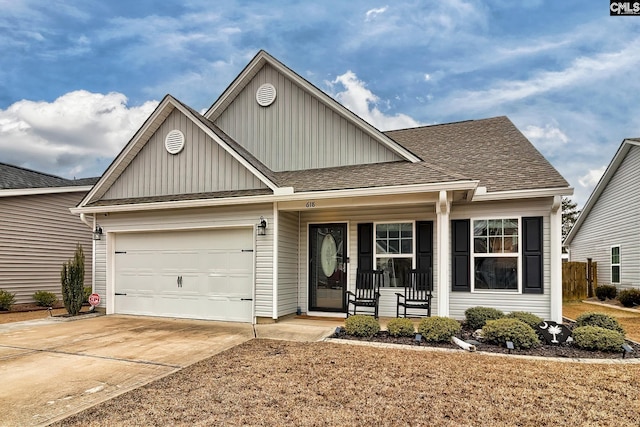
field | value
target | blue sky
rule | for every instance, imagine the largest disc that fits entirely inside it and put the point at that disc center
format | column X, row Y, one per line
column 77, row 78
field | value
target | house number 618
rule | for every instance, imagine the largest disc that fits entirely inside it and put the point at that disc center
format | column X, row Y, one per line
column 311, row 204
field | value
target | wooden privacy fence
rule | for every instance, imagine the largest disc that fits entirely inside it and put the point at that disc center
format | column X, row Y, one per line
column 575, row 280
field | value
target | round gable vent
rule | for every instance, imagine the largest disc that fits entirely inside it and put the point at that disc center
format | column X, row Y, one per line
column 174, row 142
column 266, row 94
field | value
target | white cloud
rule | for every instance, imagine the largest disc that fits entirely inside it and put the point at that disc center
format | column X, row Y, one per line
column 372, row 13
column 582, row 71
column 548, row 139
column 364, row 103
column 592, row 177
column 66, row 136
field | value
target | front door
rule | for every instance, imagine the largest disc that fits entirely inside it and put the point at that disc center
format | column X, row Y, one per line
column 327, row 267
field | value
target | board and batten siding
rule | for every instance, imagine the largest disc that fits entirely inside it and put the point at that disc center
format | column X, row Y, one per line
column 354, row 216
column 614, row 220
column 208, row 218
column 37, row 235
column 297, row 131
column 100, row 271
column 288, row 252
column 539, row 304
column 202, row 166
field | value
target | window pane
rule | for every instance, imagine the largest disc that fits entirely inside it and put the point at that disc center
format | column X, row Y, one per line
column 511, row 244
column 510, row 227
column 495, row 245
column 381, row 246
column 395, row 271
column 615, row 274
column 394, row 246
column 406, row 246
column 480, row 245
column 495, row 227
column 615, row 255
column 480, row 228
column 496, row 273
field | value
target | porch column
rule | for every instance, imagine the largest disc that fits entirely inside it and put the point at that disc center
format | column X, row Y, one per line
column 555, row 242
column 443, row 208
column 274, row 278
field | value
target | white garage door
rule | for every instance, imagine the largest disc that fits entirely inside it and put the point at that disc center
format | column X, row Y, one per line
column 192, row 274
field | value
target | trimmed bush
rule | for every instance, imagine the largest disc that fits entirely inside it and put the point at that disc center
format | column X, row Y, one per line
column 7, row 299
column 500, row 331
column 526, row 317
column 45, row 299
column 606, row 291
column 601, row 320
column 362, row 325
column 438, row 329
column 629, row 297
column 400, row 327
column 597, row 338
column 72, row 280
column 478, row 316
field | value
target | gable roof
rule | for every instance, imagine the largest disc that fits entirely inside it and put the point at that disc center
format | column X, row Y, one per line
column 141, row 137
column 617, row 160
column 16, row 180
column 259, row 61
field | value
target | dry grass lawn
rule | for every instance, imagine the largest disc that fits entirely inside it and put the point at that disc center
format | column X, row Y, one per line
column 272, row 383
column 630, row 321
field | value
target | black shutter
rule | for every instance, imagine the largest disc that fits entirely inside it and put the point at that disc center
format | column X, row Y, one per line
column 532, row 255
column 424, row 245
column 365, row 246
column 460, row 255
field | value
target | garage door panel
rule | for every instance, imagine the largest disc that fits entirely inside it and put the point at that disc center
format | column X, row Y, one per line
column 194, row 274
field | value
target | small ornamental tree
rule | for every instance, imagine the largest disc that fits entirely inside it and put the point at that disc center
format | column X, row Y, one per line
column 72, row 279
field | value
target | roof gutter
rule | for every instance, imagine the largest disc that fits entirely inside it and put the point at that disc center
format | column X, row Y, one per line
column 316, row 195
column 481, row 195
column 44, row 190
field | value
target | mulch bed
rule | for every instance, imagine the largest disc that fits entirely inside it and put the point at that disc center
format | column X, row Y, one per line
column 21, row 308
column 543, row 350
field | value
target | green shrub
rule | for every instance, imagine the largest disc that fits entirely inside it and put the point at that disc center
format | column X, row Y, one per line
column 629, row 297
column 478, row 316
column 500, row 331
column 72, row 280
column 45, row 299
column 601, row 320
column 526, row 317
column 362, row 325
column 606, row 291
column 7, row 299
column 438, row 329
column 400, row 327
column 87, row 294
column 597, row 338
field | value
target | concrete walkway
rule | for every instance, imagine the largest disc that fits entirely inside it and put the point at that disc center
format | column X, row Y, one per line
column 51, row 369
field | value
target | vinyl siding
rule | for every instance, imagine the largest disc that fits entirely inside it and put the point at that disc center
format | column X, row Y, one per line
column 539, row 304
column 297, row 131
column 354, row 216
column 209, row 218
column 202, row 166
column 100, row 271
column 614, row 220
column 37, row 235
column 288, row 253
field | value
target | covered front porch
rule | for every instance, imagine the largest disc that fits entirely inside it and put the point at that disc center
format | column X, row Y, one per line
column 319, row 247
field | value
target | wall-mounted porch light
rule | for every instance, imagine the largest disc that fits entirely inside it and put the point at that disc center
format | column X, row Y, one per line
column 262, row 227
column 97, row 233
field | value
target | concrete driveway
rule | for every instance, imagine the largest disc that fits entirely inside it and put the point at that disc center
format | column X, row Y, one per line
column 50, row 369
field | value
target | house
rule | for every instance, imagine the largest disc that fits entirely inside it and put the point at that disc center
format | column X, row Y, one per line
column 268, row 203
column 608, row 228
column 37, row 231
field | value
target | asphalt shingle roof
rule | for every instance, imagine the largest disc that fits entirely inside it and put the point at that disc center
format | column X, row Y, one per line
column 492, row 151
column 15, row 177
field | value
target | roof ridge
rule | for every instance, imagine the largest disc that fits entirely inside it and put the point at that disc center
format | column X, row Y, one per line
column 444, row 124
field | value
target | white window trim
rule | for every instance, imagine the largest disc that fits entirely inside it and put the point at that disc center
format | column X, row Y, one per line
column 619, row 264
column 496, row 255
column 413, row 245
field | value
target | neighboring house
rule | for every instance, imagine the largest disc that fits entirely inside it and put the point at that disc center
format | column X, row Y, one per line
column 608, row 228
column 269, row 202
column 37, row 231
